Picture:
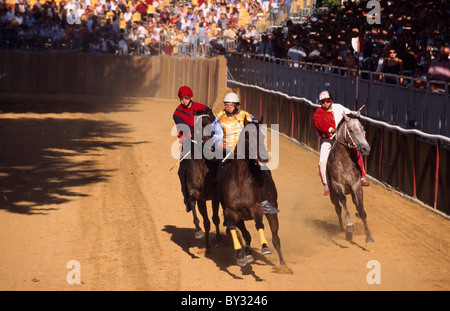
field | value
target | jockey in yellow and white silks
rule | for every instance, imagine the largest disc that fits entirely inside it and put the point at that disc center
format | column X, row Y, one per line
column 227, row 127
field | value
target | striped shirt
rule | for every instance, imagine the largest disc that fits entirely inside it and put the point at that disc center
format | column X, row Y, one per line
column 186, row 116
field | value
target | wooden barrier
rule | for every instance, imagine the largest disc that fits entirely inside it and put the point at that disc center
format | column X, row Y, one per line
column 111, row 75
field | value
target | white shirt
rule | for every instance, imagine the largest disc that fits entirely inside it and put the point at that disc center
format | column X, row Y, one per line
column 127, row 16
column 123, row 47
column 338, row 111
column 296, row 54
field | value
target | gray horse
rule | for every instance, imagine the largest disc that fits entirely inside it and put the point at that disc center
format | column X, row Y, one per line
column 343, row 174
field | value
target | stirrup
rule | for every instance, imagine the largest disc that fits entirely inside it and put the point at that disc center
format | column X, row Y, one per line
column 268, row 208
column 364, row 182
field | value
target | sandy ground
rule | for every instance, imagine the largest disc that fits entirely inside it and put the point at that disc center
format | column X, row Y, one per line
column 88, row 180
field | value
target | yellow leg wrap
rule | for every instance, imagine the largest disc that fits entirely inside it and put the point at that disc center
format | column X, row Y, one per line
column 236, row 243
column 262, row 237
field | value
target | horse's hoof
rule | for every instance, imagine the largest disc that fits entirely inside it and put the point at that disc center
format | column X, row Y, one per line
column 266, row 251
column 350, row 228
column 241, row 262
column 369, row 239
column 199, row 234
column 249, row 258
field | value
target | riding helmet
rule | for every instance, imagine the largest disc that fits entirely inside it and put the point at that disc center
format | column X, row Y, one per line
column 231, row 98
column 185, row 91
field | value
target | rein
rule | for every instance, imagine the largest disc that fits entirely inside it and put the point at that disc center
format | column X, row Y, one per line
column 195, row 122
column 345, row 143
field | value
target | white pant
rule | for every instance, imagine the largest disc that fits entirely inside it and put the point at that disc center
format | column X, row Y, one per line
column 323, row 157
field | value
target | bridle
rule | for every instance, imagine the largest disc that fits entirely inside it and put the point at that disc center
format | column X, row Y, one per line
column 345, row 143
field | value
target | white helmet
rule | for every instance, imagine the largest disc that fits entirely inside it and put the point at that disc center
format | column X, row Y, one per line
column 324, row 95
column 231, row 98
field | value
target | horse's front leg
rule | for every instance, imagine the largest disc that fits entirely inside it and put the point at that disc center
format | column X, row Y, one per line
column 231, row 219
column 274, row 225
column 357, row 197
column 337, row 207
column 258, row 216
column 216, row 220
column 198, row 231
column 206, row 223
column 248, row 239
column 349, row 226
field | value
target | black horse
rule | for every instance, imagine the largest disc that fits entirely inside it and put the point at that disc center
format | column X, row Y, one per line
column 239, row 180
column 201, row 180
column 343, row 174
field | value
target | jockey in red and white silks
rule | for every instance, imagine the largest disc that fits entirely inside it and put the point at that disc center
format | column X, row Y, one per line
column 326, row 119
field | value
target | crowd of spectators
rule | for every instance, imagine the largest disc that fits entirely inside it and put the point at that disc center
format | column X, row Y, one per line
column 146, row 26
column 412, row 38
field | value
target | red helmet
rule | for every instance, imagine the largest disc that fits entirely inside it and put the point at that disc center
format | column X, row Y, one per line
column 185, row 91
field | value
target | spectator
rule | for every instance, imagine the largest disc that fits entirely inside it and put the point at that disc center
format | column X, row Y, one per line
column 392, row 65
column 185, row 24
column 193, row 41
column 265, row 48
column 251, row 33
column 123, row 46
column 440, row 68
column 128, row 17
column 154, row 47
column 408, row 59
column 240, row 31
column 223, row 21
column 168, row 48
column 296, row 53
column 229, row 37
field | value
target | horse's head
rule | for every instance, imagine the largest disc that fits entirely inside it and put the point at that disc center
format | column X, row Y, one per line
column 253, row 147
column 352, row 133
column 202, row 122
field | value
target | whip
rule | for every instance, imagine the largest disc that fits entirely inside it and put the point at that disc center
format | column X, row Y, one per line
column 180, row 160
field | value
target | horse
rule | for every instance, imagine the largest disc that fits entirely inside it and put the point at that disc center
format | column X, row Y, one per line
column 343, row 174
column 200, row 182
column 239, row 181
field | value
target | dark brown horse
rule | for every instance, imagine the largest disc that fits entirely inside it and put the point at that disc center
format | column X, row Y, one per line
column 200, row 180
column 343, row 174
column 239, row 180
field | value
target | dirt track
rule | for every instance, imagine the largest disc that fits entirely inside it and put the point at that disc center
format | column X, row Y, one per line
column 89, row 181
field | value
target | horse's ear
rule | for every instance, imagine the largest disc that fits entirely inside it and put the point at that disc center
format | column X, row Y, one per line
column 211, row 115
column 346, row 118
column 358, row 114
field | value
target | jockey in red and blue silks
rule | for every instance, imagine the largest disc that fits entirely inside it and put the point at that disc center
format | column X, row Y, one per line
column 184, row 115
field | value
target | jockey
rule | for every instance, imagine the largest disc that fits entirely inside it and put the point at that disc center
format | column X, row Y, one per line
column 184, row 114
column 227, row 128
column 326, row 119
